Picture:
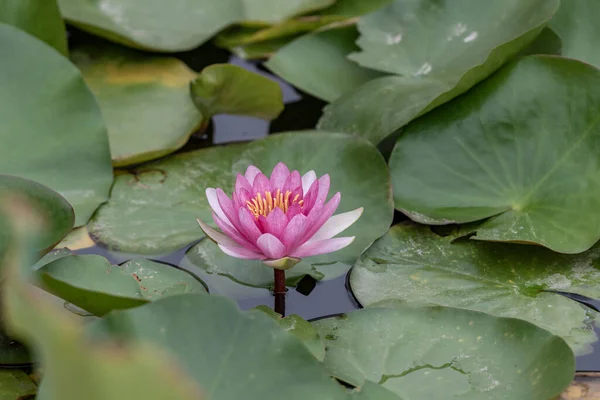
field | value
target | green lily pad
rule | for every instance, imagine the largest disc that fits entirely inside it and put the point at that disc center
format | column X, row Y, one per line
column 77, row 239
column 93, row 284
column 318, row 65
column 240, row 36
column 239, row 342
column 439, row 50
column 39, row 18
column 373, row 391
column 177, row 25
column 510, row 149
column 229, row 89
column 16, row 384
column 144, row 99
column 57, row 213
column 299, row 327
column 153, row 209
column 414, row 265
column 55, row 136
column 442, row 353
column 260, row 50
column 353, row 8
column 575, row 24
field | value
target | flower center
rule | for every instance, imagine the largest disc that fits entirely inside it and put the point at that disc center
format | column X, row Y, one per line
column 260, row 205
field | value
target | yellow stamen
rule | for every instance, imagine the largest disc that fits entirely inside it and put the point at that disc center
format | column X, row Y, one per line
column 260, row 205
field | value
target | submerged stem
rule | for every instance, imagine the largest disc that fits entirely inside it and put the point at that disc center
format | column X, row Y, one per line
column 279, row 291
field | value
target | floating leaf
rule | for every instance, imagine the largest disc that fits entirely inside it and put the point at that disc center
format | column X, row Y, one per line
column 440, row 50
column 443, row 353
column 178, row 25
column 144, row 99
column 238, row 343
column 576, row 25
column 240, row 36
column 299, row 327
column 510, row 149
column 55, row 209
column 16, row 384
column 93, row 284
column 414, row 265
column 153, row 208
column 353, row 8
column 317, row 63
column 39, row 18
column 55, row 136
column 229, row 89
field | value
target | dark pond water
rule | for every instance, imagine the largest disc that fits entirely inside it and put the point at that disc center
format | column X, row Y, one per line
column 311, row 299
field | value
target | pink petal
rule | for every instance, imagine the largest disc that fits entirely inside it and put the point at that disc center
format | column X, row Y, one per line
column 248, row 225
column 240, row 252
column 271, row 246
column 275, row 222
column 317, row 218
column 324, row 182
column 337, row 224
column 261, row 185
column 242, row 183
column 213, row 201
column 293, row 181
column 310, row 197
column 215, row 235
column 307, row 180
column 293, row 210
column 251, row 173
column 227, row 207
column 321, row 247
column 293, row 232
column 279, row 176
column 234, row 234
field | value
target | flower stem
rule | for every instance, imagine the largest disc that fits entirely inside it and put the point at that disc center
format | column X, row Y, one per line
column 279, row 291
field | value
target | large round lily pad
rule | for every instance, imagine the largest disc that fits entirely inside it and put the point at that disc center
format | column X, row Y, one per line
column 55, row 136
column 93, row 284
column 414, row 265
column 221, row 348
column 54, row 209
column 144, row 99
column 438, row 49
column 175, row 25
column 444, row 353
column 520, row 148
column 40, row 18
column 317, row 63
column 576, row 25
column 153, row 208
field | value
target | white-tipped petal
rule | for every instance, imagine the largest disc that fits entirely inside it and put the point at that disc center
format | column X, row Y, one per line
column 337, row 224
column 215, row 235
column 213, row 201
column 317, row 248
column 307, row 180
column 251, row 173
column 240, row 252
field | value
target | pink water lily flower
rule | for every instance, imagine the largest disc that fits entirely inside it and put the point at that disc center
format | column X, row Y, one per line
column 280, row 219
